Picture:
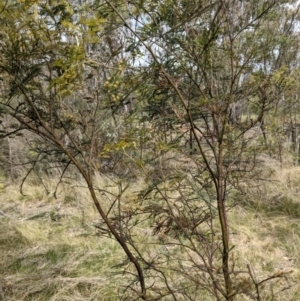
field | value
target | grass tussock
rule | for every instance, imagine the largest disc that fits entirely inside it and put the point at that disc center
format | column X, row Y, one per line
column 51, row 250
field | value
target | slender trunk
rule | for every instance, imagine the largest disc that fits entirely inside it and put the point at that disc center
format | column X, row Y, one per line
column 111, row 228
column 10, row 160
column 224, row 227
column 191, row 142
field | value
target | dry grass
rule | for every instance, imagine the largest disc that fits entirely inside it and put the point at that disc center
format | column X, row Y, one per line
column 266, row 229
column 50, row 250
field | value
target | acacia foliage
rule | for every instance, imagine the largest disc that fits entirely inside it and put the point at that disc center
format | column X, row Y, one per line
column 182, row 94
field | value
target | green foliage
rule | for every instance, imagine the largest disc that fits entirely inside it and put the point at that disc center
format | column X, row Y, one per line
column 183, row 96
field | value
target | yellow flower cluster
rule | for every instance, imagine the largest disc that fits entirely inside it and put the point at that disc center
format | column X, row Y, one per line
column 112, row 86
